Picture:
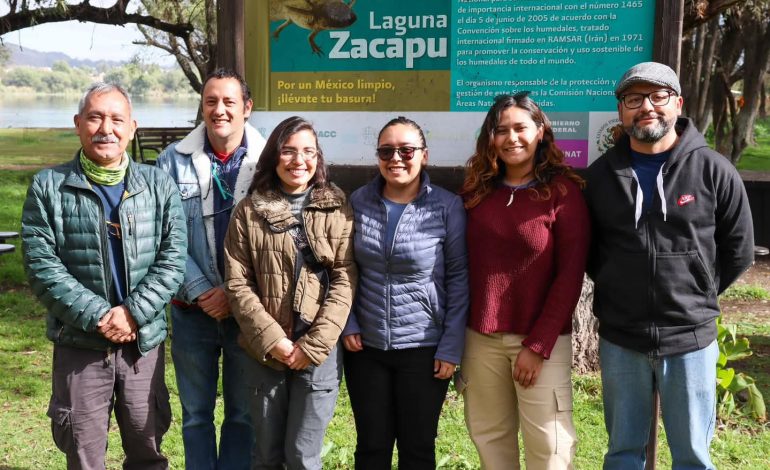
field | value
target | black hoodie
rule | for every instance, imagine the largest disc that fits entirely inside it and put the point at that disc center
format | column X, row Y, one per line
column 657, row 278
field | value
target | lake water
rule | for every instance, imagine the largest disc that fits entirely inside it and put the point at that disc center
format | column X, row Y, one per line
column 57, row 111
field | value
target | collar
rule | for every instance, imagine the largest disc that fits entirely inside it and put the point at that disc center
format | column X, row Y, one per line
column 216, row 156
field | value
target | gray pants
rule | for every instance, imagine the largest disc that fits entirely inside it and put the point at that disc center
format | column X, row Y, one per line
column 291, row 410
column 88, row 385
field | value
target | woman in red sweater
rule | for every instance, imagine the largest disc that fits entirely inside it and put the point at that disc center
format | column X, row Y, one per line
column 528, row 235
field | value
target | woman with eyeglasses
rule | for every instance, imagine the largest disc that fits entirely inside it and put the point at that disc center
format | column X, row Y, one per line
column 405, row 334
column 290, row 279
column 528, row 235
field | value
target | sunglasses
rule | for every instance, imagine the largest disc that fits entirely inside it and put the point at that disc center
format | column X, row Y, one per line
column 406, row 152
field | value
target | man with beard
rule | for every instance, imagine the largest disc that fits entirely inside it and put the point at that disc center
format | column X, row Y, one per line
column 671, row 230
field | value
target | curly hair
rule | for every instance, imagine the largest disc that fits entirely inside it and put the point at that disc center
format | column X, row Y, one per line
column 265, row 176
column 484, row 169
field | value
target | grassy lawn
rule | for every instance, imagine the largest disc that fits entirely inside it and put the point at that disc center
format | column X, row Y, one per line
column 37, row 147
column 757, row 158
column 25, row 361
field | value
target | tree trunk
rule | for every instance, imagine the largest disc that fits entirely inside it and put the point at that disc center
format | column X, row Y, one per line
column 726, row 73
column 585, row 339
column 756, row 46
column 702, row 114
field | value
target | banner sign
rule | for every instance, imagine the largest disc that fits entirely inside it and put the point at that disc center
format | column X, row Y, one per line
column 350, row 66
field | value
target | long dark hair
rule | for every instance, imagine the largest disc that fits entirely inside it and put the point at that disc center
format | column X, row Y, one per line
column 484, row 168
column 266, row 178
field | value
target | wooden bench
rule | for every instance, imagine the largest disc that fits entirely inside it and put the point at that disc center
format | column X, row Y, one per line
column 150, row 141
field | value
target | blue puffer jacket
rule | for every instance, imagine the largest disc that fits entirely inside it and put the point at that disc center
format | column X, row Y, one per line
column 415, row 292
column 66, row 252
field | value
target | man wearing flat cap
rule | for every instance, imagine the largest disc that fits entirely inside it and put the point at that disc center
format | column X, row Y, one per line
column 671, row 231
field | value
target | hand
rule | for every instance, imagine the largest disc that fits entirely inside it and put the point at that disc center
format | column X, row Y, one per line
column 352, row 342
column 214, row 303
column 443, row 369
column 117, row 325
column 282, row 350
column 527, row 367
column 298, row 360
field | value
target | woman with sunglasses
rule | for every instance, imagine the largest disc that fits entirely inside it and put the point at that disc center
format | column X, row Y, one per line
column 405, row 334
column 290, row 278
column 528, row 235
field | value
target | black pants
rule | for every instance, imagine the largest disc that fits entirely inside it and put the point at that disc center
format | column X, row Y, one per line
column 395, row 399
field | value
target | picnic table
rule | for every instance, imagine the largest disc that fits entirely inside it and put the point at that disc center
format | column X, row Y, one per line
column 7, row 247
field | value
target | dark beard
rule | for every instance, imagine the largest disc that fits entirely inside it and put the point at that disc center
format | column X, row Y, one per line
column 650, row 135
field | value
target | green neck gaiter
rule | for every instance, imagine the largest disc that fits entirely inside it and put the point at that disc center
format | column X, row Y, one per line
column 101, row 175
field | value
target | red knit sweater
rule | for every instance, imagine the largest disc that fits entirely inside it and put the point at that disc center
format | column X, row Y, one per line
column 526, row 262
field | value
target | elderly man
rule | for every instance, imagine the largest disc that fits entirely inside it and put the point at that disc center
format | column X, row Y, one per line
column 104, row 242
column 672, row 229
column 213, row 167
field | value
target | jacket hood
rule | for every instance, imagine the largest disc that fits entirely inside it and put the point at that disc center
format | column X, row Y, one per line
column 619, row 159
column 690, row 140
column 274, row 207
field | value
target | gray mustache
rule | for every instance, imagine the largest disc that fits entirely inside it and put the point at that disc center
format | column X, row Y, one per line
column 104, row 139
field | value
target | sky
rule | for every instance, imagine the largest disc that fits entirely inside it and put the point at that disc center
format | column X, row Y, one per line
column 86, row 40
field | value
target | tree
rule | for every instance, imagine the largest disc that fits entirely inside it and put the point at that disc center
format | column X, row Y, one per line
column 170, row 26
column 24, row 77
column 194, row 54
column 585, row 339
column 727, row 43
column 21, row 16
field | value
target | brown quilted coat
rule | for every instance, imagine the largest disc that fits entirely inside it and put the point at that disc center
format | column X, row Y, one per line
column 259, row 271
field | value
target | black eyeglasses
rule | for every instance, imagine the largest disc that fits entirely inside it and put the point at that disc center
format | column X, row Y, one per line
column 406, row 152
column 657, row 98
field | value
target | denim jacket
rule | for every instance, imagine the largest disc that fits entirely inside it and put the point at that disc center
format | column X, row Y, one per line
column 190, row 166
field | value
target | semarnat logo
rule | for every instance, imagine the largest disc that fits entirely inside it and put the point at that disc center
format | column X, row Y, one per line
column 685, row 199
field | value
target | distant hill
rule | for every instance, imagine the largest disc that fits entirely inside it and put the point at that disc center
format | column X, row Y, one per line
column 32, row 58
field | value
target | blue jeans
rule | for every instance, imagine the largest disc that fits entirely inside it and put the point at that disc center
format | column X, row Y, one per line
column 291, row 410
column 687, row 387
column 196, row 343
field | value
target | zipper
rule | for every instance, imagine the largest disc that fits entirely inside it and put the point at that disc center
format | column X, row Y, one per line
column 387, row 304
column 654, row 337
column 106, row 277
column 388, row 252
column 127, row 247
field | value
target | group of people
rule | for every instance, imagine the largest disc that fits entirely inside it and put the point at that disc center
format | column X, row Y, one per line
column 403, row 285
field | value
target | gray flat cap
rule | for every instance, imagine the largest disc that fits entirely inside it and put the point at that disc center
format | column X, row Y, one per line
column 649, row 72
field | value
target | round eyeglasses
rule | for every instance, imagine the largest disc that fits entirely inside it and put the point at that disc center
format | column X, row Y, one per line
column 406, row 152
column 307, row 154
column 657, row 98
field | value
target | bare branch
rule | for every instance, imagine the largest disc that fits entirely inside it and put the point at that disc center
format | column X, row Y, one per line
column 24, row 17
